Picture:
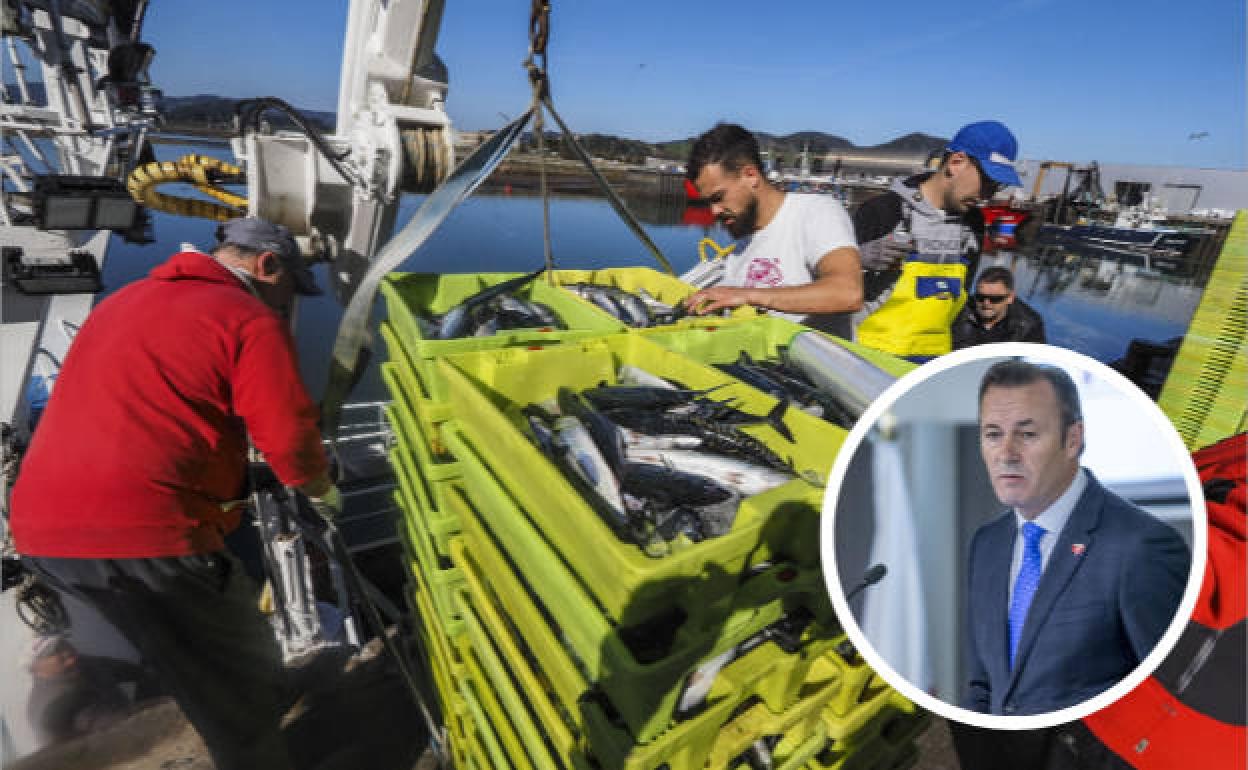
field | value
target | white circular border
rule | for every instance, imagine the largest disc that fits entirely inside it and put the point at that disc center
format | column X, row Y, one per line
column 1167, row 434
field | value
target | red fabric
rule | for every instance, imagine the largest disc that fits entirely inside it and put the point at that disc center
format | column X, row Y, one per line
column 1222, row 601
column 1151, row 729
column 144, row 436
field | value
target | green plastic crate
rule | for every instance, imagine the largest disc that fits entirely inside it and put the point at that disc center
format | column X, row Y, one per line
column 484, row 746
column 440, row 583
column 490, row 716
column 688, row 745
column 444, row 663
column 547, row 742
column 439, row 576
column 565, row 682
column 428, row 477
column 405, row 381
column 760, row 337
column 890, row 718
column 800, row 729
column 778, row 525
column 410, row 294
column 587, row 648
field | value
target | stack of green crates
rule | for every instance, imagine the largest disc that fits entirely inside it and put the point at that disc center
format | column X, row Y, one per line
column 554, row 644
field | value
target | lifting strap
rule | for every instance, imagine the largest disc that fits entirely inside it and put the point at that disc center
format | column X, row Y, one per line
column 353, row 345
column 354, row 342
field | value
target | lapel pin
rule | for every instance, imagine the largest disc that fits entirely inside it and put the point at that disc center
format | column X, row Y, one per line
column 1078, row 548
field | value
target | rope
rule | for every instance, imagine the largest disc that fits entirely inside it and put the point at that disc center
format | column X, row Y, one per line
column 539, row 35
column 612, row 196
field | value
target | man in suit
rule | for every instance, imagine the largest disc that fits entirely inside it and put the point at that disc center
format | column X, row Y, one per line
column 1073, row 587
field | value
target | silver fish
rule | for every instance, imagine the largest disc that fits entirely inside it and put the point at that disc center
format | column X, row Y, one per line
column 582, row 456
column 632, row 375
column 744, row 478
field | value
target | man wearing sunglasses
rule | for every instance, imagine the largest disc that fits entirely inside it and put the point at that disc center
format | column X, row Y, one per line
column 921, row 240
column 995, row 314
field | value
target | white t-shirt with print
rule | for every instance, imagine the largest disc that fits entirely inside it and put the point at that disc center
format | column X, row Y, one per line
column 787, row 251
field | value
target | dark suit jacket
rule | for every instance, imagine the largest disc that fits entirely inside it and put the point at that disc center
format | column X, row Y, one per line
column 1111, row 587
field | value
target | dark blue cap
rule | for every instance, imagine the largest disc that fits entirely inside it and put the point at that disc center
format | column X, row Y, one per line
column 261, row 235
column 992, row 144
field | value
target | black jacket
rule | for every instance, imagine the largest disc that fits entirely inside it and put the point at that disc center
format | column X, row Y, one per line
column 1021, row 324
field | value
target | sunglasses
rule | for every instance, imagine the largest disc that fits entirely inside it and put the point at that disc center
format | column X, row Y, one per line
column 988, row 186
column 993, row 298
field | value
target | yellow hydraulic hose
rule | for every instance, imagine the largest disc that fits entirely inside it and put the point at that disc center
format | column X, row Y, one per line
column 204, row 173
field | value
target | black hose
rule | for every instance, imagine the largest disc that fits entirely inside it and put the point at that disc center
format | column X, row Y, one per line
column 248, row 112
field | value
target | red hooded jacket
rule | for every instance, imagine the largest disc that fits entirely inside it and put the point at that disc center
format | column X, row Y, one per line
column 145, row 435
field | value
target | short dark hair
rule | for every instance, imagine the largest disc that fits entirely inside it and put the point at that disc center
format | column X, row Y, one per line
column 996, row 274
column 727, row 144
column 1015, row 372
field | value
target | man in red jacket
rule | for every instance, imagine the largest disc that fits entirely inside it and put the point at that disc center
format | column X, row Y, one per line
column 138, row 468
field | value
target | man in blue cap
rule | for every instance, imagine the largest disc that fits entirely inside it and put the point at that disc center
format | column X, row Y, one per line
column 921, row 240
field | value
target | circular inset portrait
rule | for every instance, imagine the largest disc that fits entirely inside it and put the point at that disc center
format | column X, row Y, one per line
column 1014, row 536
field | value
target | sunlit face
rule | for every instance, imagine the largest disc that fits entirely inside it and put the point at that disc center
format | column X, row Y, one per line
column 732, row 196
column 1029, row 460
column 967, row 184
column 991, row 299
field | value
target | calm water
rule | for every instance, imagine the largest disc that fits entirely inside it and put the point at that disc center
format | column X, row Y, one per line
column 1090, row 306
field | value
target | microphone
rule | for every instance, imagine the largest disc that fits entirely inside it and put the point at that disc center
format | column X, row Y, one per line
column 869, row 578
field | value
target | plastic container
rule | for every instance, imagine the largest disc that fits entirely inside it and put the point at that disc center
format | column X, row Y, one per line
column 428, row 478
column 409, row 295
column 439, row 576
column 778, row 526
column 547, row 742
column 577, row 648
column 723, row 730
column 760, row 337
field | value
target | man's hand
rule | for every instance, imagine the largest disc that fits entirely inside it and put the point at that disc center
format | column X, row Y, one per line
column 887, row 253
column 716, row 298
column 329, row 504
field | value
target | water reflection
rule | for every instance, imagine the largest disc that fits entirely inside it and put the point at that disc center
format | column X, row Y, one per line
column 1096, row 305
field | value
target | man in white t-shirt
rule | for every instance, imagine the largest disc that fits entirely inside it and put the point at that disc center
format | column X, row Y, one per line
column 797, row 255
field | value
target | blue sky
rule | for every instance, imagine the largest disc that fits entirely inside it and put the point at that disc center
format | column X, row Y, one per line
column 1077, row 80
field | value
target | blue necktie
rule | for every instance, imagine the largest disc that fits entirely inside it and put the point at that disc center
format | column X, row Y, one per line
column 1025, row 584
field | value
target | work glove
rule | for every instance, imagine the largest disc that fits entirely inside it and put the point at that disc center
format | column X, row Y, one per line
column 887, row 253
column 328, row 505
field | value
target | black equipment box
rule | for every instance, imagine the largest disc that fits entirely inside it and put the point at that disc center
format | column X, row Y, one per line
column 65, row 202
column 77, row 274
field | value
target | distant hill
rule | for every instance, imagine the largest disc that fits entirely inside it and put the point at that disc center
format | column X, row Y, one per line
column 209, row 112
column 916, row 143
column 789, row 147
column 786, row 149
column 215, row 114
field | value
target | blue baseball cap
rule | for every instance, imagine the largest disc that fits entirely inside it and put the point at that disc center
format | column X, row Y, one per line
column 992, row 144
column 261, row 235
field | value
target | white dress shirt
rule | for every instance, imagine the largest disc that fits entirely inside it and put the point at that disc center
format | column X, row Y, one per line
column 1052, row 520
